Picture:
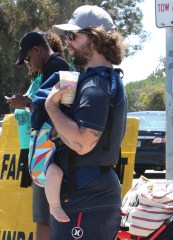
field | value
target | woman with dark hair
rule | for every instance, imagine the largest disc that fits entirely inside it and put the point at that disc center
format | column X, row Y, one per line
column 43, row 53
column 18, row 102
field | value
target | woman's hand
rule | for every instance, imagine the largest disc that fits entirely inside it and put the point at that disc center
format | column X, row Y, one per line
column 18, row 101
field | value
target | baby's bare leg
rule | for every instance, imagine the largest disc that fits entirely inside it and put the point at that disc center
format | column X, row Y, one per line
column 52, row 189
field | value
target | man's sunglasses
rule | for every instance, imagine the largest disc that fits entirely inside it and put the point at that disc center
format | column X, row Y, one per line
column 72, row 35
column 27, row 60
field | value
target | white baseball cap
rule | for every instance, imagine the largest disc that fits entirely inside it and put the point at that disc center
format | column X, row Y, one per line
column 85, row 17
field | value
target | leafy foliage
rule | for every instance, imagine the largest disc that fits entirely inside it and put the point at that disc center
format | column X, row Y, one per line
column 146, row 95
column 21, row 16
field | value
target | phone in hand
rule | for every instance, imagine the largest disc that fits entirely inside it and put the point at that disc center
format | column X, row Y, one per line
column 6, row 97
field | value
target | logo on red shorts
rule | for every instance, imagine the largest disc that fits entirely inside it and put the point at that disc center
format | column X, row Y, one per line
column 77, row 232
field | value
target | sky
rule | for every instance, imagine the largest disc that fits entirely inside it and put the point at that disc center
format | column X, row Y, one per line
column 144, row 62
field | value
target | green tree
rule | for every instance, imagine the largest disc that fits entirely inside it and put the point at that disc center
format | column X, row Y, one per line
column 20, row 16
column 148, row 94
column 17, row 18
column 157, row 99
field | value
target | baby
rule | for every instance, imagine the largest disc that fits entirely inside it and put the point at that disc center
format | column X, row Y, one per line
column 53, row 182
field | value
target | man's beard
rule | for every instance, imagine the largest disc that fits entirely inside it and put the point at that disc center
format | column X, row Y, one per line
column 83, row 54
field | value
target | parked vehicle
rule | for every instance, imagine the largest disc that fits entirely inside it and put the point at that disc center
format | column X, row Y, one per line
column 150, row 152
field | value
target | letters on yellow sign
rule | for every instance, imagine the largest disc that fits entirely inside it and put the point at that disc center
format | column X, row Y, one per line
column 10, row 168
column 8, row 235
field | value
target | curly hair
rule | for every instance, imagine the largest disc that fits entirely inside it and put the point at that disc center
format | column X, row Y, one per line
column 110, row 44
column 54, row 42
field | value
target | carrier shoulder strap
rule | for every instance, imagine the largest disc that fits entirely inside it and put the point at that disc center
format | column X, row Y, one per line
column 112, row 102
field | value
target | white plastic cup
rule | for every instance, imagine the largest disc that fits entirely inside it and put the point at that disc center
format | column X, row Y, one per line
column 68, row 78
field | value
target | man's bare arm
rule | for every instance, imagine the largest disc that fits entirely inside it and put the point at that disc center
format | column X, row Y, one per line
column 81, row 140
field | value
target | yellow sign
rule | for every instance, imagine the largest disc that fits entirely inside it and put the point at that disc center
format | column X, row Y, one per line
column 128, row 150
column 15, row 202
